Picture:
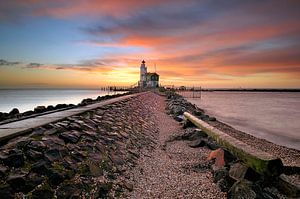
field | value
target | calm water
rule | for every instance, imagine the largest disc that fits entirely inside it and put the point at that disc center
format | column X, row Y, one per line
column 27, row 99
column 273, row 116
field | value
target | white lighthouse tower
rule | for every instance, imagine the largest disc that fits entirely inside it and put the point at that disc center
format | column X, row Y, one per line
column 143, row 74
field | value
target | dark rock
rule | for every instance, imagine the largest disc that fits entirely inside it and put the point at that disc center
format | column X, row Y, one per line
column 32, row 181
column 68, row 191
column 104, row 188
column 197, row 134
column 223, row 185
column 55, row 177
column 33, row 155
column 59, row 106
column 177, row 110
column 116, row 159
column 228, row 157
column 23, row 142
column 288, row 187
column 70, row 137
column 17, row 181
column 50, row 108
column 211, row 144
column 220, row 174
column 53, row 155
column 27, row 113
column 128, row 186
column 3, row 171
column 41, row 167
column 43, row 193
column 241, row 189
column 6, row 191
column 40, row 109
column 14, row 158
column 187, row 124
column 37, row 133
column 179, row 118
column 238, row 171
column 212, row 119
column 197, row 143
column 87, row 101
column 14, row 112
column 37, row 146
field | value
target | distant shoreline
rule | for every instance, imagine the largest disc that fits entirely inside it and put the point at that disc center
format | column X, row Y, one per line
column 252, row 90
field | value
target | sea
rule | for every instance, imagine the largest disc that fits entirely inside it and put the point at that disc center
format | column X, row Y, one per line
column 274, row 116
column 28, row 99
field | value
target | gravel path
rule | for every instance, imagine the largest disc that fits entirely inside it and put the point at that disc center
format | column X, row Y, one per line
column 168, row 170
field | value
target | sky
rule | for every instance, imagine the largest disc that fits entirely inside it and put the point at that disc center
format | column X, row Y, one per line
column 92, row 43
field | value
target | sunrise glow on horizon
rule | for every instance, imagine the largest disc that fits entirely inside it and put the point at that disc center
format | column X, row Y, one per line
column 87, row 44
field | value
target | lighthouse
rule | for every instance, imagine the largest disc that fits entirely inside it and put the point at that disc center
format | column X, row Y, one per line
column 143, row 73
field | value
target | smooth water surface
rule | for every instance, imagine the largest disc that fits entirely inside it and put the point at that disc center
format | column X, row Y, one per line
column 27, row 99
column 274, row 116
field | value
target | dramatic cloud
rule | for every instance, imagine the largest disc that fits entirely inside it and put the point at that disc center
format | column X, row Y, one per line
column 211, row 40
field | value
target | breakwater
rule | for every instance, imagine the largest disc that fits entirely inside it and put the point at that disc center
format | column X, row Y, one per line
column 128, row 148
column 85, row 155
column 15, row 114
column 232, row 169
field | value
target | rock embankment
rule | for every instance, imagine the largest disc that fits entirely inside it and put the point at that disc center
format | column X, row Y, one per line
column 83, row 156
column 231, row 174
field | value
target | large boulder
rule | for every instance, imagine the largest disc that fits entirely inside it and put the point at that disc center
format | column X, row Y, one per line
column 14, row 112
column 40, row 109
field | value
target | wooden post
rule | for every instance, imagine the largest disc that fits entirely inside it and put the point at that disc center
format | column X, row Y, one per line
column 260, row 161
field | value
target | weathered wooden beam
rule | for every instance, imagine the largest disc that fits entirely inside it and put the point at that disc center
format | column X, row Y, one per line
column 260, row 161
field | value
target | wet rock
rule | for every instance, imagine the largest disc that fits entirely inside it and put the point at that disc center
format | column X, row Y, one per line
column 14, row 158
column 70, row 137
column 39, row 109
column 241, row 189
column 14, row 112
